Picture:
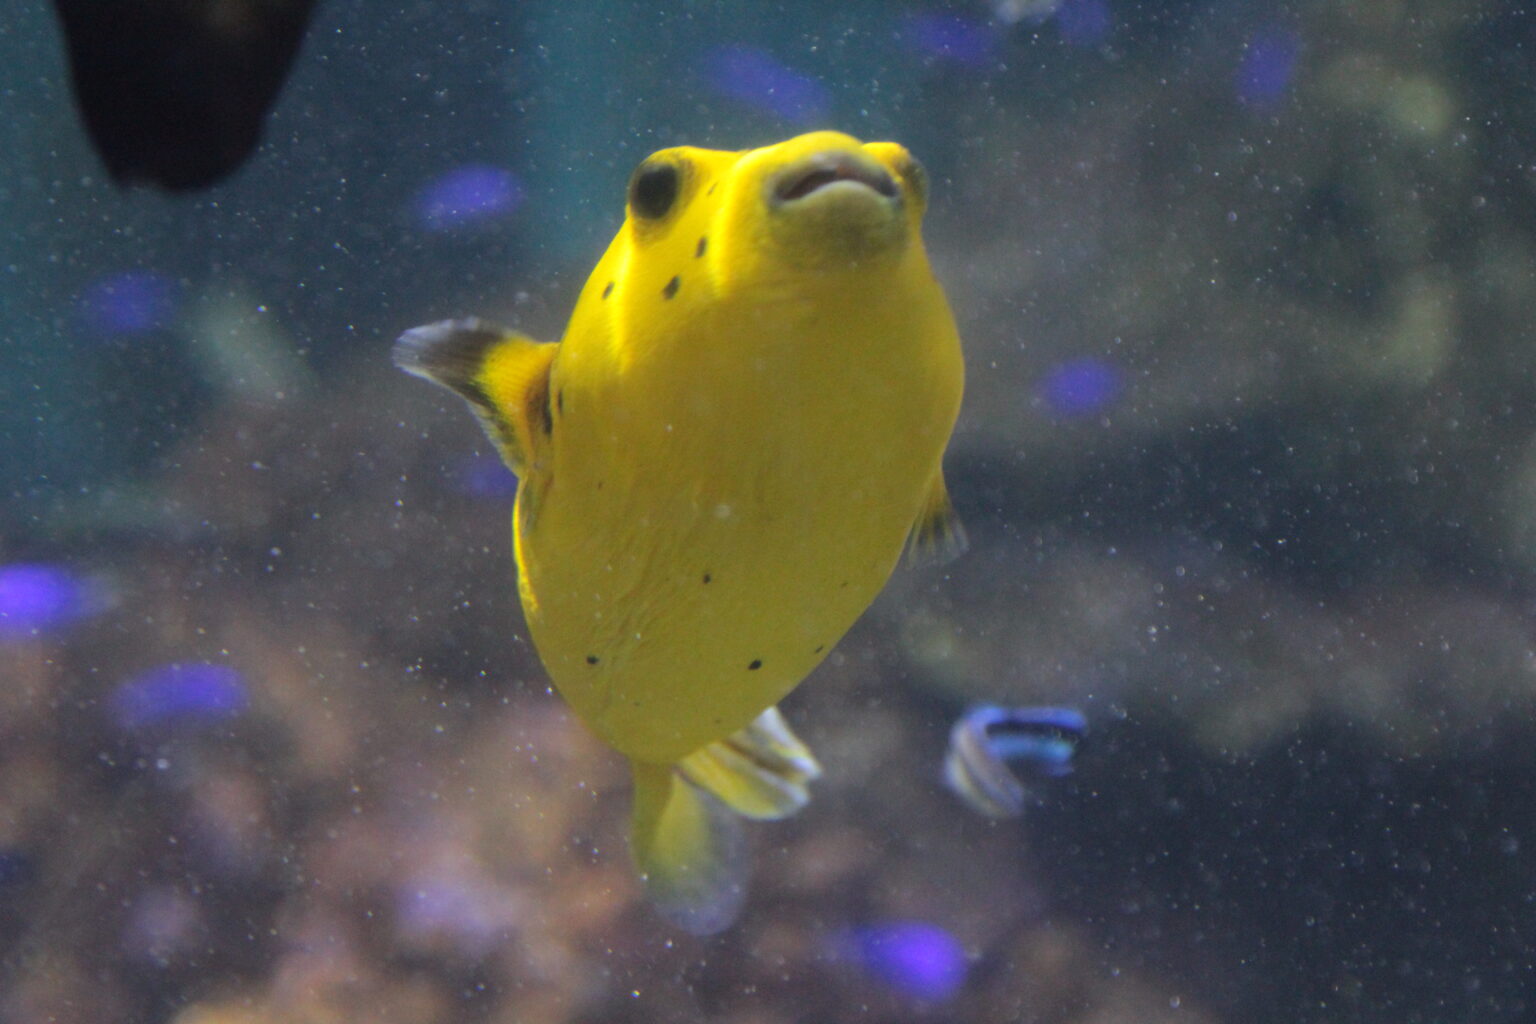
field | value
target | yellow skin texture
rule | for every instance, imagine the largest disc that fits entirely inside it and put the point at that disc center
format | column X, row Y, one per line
column 732, row 471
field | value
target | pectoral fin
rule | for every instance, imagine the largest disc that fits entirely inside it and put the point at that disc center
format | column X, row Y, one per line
column 503, row 375
column 937, row 535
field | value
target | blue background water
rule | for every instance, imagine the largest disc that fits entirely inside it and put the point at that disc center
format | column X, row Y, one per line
column 1247, row 462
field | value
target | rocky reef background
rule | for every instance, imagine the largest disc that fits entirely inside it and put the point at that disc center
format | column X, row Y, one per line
column 1248, row 461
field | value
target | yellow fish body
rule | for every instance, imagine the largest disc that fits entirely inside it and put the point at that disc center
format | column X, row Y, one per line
column 719, row 466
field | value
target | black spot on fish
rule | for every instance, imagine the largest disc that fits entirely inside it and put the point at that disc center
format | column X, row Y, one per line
column 591, row 659
column 700, row 250
column 757, row 663
column 711, row 190
column 671, row 288
column 560, row 401
column 608, row 289
column 819, row 648
column 707, row 577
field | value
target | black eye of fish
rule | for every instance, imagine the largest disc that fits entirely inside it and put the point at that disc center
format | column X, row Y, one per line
column 653, row 189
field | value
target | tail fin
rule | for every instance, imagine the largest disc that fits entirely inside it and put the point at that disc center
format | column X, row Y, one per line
column 689, row 850
column 688, row 842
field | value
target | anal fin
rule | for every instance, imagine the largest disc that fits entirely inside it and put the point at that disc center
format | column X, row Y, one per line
column 761, row 771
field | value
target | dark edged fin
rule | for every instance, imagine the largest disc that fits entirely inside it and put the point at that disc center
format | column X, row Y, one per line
column 938, row 535
column 503, row 375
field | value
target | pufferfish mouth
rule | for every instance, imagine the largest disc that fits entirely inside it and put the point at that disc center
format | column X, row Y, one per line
column 821, row 170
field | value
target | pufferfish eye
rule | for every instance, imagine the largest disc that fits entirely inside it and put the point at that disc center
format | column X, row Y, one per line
column 653, row 188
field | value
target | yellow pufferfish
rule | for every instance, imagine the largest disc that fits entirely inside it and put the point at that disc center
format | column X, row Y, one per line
column 719, row 466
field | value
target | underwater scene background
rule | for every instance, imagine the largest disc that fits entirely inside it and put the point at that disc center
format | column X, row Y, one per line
column 1247, row 458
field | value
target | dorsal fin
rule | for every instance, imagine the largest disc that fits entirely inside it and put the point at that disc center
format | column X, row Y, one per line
column 503, row 375
column 937, row 535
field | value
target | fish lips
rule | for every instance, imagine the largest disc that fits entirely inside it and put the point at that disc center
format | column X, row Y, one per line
column 836, row 208
column 827, row 173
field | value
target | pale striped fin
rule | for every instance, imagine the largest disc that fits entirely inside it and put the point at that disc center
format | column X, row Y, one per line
column 761, row 772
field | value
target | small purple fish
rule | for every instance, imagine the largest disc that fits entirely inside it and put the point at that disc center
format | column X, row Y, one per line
column 467, row 195
column 950, row 38
column 195, row 693
column 759, row 80
column 130, row 302
column 918, row 959
column 1081, row 387
column 35, row 598
column 1269, row 62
